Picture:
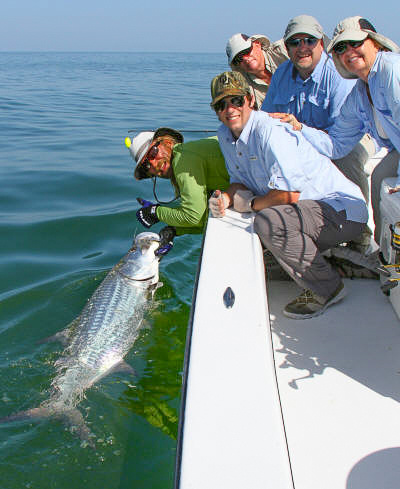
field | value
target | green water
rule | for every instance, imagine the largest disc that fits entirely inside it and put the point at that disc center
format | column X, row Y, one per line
column 67, row 215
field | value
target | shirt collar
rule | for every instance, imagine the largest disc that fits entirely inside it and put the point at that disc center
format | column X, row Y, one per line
column 245, row 134
column 374, row 68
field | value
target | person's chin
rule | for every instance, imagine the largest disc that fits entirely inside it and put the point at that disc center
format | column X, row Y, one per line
column 234, row 124
column 355, row 64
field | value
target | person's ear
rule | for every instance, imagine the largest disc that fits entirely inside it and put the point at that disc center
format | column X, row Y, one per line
column 252, row 101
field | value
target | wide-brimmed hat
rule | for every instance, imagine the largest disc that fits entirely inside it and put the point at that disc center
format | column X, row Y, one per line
column 228, row 83
column 356, row 29
column 140, row 145
column 305, row 24
column 240, row 42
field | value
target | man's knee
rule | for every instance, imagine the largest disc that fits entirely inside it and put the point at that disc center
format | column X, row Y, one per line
column 274, row 225
column 263, row 225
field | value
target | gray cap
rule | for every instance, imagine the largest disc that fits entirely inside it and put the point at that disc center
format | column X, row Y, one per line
column 305, row 24
column 356, row 29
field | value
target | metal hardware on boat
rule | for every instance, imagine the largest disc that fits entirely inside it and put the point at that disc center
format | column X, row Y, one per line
column 395, row 229
column 229, row 298
column 388, row 286
column 370, row 262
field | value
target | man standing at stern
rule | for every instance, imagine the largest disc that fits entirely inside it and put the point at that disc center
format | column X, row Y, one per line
column 304, row 204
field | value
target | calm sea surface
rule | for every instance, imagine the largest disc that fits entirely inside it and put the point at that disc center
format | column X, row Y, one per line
column 67, row 215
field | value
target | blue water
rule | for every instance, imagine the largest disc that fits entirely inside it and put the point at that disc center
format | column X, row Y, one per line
column 67, row 215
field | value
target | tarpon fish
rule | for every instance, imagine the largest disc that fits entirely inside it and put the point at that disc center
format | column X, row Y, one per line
column 100, row 337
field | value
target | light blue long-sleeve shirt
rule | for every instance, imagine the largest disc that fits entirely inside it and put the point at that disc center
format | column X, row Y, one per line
column 269, row 155
column 315, row 101
column 356, row 115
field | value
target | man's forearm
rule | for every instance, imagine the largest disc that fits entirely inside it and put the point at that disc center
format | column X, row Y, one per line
column 274, row 197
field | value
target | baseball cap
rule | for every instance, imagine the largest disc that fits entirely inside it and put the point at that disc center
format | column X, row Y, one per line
column 228, row 83
column 303, row 24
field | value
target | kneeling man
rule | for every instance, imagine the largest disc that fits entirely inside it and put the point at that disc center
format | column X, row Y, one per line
column 304, row 204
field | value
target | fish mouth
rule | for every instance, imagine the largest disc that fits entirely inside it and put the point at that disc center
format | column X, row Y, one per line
column 147, row 279
column 146, row 239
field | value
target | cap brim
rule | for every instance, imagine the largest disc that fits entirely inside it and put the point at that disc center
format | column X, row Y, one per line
column 263, row 40
column 310, row 32
column 167, row 131
column 229, row 93
column 140, row 172
column 237, row 50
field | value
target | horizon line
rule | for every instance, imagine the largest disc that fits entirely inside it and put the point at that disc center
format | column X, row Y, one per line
column 103, row 51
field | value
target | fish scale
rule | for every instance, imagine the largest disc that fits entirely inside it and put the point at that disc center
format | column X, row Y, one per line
column 102, row 334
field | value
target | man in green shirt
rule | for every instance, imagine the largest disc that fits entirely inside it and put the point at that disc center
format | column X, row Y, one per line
column 195, row 169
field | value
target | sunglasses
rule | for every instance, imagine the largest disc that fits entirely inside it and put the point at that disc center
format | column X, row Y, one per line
column 341, row 47
column 308, row 41
column 237, row 101
column 239, row 57
column 151, row 154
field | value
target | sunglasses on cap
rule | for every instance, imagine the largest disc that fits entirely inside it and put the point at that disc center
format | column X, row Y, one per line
column 237, row 101
column 308, row 41
column 239, row 57
column 341, row 47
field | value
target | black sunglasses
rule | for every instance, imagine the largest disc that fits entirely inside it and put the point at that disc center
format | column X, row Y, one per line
column 152, row 153
column 239, row 57
column 341, row 47
column 308, row 41
column 237, row 101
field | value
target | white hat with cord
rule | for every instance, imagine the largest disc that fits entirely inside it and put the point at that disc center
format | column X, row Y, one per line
column 140, row 145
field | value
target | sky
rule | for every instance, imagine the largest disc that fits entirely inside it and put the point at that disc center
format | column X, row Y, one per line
column 169, row 25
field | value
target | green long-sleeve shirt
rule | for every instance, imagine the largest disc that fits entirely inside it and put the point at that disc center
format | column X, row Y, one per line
column 199, row 168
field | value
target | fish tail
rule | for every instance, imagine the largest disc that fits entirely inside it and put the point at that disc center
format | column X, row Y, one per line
column 72, row 418
column 34, row 413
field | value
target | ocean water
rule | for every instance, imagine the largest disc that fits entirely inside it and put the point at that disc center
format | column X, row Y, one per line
column 67, row 215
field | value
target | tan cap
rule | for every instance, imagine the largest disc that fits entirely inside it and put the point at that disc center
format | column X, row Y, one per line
column 228, row 83
column 356, row 29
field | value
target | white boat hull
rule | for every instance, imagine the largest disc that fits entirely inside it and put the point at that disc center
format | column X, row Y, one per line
column 271, row 402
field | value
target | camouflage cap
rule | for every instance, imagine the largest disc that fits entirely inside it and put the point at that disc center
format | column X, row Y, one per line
column 228, row 83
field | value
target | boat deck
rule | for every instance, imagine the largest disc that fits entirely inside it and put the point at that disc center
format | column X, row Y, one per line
column 339, row 385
